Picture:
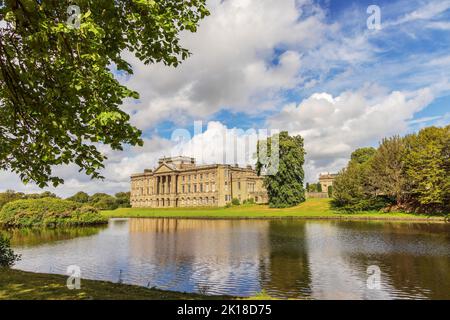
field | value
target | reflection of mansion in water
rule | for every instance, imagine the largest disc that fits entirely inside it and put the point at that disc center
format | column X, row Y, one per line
column 179, row 182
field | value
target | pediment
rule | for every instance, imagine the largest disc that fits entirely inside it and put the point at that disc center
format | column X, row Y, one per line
column 163, row 168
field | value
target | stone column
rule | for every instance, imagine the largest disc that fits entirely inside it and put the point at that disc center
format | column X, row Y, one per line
column 165, row 186
column 158, row 185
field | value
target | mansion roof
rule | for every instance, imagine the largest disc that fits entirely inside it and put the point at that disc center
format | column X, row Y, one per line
column 184, row 164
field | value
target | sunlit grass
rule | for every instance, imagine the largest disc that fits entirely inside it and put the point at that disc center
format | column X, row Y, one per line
column 21, row 285
column 15, row 284
column 311, row 208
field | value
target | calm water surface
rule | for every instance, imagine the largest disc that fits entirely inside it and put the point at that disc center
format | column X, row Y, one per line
column 285, row 258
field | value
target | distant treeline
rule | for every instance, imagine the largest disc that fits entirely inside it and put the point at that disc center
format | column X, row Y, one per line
column 101, row 201
column 410, row 173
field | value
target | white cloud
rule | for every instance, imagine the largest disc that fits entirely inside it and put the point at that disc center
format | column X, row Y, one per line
column 440, row 25
column 427, row 11
column 334, row 126
column 236, row 62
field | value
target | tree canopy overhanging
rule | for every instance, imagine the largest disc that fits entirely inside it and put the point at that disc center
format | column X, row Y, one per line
column 58, row 93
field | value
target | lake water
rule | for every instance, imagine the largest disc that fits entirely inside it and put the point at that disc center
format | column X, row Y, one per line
column 320, row 259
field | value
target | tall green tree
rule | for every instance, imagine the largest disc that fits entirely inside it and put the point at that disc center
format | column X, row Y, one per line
column 285, row 187
column 319, row 187
column 10, row 195
column 103, row 201
column 80, row 197
column 59, row 94
column 427, row 168
column 362, row 155
column 351, row 188
column 123, row 199
column 386, row 175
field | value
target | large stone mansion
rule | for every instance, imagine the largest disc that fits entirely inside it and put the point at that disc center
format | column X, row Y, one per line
column 179, row 182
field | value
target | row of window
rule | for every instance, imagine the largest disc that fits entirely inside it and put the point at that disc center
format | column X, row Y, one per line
column 184, row 178
column 189, row 188
column 181, row 202
column 190, row 177
column 185, row 188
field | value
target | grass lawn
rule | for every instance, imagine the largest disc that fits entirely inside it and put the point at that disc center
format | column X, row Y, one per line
column 311, row 208
column 15, row 284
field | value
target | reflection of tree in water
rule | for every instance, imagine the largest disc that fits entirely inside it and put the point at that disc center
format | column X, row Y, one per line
column 411, row 275
column 34, row 237
column 400, row 228
column 415, row 261
column 287, row 271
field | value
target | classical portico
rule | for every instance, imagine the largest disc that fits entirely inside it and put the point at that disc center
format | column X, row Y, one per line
column 179, row 182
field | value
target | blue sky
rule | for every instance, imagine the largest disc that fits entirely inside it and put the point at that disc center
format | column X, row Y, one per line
column 396, row 62
column 310, row 67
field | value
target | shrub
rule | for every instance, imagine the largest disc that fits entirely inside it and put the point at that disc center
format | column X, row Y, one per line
column 103, row 201
column 7, row 255
column 123, row 199
column 81, row 197
column 330, row 191
column 48, row 212
column 235, row 202
column 249, row 201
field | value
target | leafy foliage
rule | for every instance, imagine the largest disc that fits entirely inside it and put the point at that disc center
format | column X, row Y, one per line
column 319, row 187
column 330, row 191
column 249, row 201
column 103, row 201
column 235, row 202
column 48, row 212
column 11, row 195
column 7, row 255
column 386, row 175
column 427, row 170
column 351, row 189
column 285, row 188
column 410, row 173
column 123, row 199
column 80, row 197
column 59, row 96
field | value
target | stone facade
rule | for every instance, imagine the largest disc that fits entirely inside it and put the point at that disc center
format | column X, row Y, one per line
column 326, row 180
column 179, row 182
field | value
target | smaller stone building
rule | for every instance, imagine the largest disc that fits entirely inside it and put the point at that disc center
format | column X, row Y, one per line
column 326, row 180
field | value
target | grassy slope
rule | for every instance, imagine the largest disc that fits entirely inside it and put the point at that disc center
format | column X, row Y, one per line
column 312, row 208
column 15, row 284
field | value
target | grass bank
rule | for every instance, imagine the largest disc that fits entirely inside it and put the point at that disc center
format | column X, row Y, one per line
column 21, row 285
column 310, row 209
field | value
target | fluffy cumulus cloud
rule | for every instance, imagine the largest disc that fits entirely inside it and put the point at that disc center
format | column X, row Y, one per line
column 334, row 126
column 245, row 56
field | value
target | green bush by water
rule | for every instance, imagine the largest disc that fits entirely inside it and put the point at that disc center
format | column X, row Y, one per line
column 48, row 212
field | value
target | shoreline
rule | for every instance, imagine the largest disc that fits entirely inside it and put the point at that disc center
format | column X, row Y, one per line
column 318, row 209
column 16, row 284
column 386, row 219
